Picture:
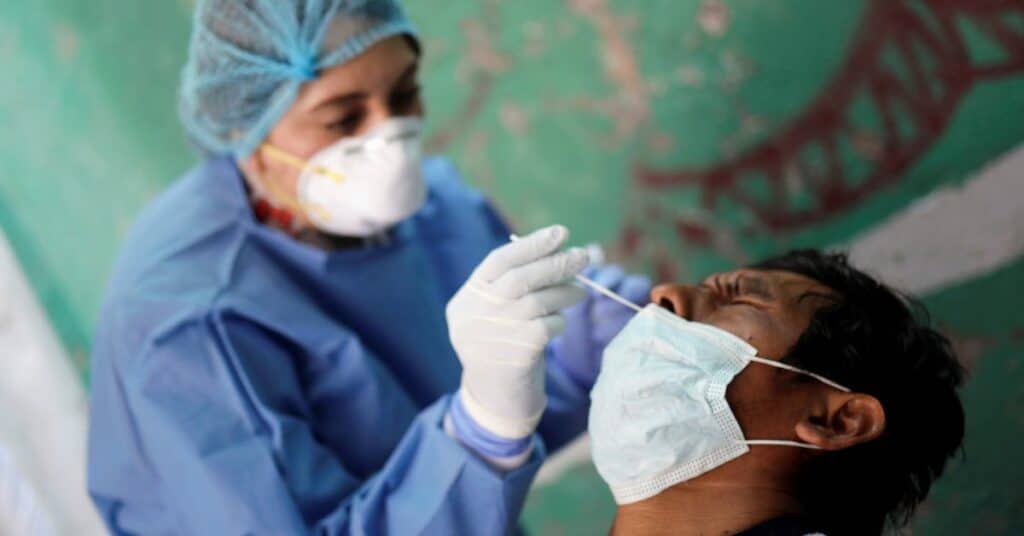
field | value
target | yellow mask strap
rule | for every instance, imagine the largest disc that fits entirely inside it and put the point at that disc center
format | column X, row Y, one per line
column 287, row 158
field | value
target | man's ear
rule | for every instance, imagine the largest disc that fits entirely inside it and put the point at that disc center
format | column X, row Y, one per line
column 842, row 420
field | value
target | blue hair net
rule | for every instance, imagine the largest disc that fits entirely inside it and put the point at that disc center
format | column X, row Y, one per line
column 248, row 58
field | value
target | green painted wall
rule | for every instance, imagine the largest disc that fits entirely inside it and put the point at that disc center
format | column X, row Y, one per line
column 564, row 111
column 88, row 131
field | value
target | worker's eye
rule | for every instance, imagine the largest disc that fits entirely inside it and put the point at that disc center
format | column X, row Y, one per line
column 347, row 124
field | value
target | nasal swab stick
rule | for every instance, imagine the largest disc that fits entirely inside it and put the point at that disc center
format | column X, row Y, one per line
column 586, row 281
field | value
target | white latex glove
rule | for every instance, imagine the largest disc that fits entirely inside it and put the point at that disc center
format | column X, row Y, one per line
column 500, row 322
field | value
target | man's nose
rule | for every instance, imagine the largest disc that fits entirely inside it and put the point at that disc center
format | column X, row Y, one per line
column 675, row 298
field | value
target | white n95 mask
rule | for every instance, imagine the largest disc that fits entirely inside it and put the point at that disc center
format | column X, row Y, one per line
column 658, row 413
column 360, row 186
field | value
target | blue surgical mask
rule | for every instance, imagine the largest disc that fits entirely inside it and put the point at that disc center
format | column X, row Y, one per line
column 658, row 413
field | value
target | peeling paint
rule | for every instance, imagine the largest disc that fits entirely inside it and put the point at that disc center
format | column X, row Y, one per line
column 630, row 106
column 514, row 118
column 535, row 37
column 481, row 51
column 714, row 17
column 482, row 63
column 65, row 42
column 690, row 76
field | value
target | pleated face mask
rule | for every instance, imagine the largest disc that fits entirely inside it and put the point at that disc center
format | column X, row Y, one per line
column 658, row 412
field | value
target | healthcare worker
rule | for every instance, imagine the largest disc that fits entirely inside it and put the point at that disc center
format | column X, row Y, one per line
column 277, row 354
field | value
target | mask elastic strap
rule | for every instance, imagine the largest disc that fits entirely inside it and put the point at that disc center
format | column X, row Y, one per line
column 780, row 443
column 791, row 368
column 287, row 158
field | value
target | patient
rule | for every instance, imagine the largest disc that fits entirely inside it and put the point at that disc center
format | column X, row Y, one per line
column 694, row 438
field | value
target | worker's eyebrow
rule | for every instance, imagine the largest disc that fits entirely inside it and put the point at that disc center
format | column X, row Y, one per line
column 341, row 99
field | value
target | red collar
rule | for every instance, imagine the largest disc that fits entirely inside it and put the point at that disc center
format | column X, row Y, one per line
column 265, row 212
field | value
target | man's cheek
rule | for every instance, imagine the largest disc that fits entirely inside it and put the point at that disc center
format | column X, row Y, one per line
column 748, row 389
column 732, row 323
column 756, row 401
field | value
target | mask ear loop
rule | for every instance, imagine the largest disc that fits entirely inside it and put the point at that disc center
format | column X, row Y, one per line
column 291, row 160
column 784, row 442
column 287, row 158
column 791, row 368
column 780, row 443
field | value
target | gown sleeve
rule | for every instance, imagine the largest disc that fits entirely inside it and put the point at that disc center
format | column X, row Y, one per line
column 227, row 423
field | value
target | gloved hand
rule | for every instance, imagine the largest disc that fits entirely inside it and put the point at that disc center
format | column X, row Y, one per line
column 592, row 324
column 502, row 319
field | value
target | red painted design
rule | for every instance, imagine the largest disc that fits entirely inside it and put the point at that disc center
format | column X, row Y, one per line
column 630, row 243
column 665, row 268
column 928, row 34
column 694, row 233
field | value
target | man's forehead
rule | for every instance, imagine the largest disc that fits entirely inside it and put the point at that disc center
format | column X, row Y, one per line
column 791, row 281
column 782, row 284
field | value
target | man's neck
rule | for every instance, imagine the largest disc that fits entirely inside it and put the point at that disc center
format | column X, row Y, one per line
column 705, row 508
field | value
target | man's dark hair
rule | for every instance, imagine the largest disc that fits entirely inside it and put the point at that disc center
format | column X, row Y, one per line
column 877, row 341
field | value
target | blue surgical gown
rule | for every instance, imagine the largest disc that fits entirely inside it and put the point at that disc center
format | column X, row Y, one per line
column 246, row 383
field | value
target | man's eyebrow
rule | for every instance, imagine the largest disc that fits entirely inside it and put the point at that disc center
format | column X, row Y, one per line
column 752, row 284
column 829, row 297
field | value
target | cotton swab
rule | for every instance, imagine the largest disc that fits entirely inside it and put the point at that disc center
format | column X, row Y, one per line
column 586, row 281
